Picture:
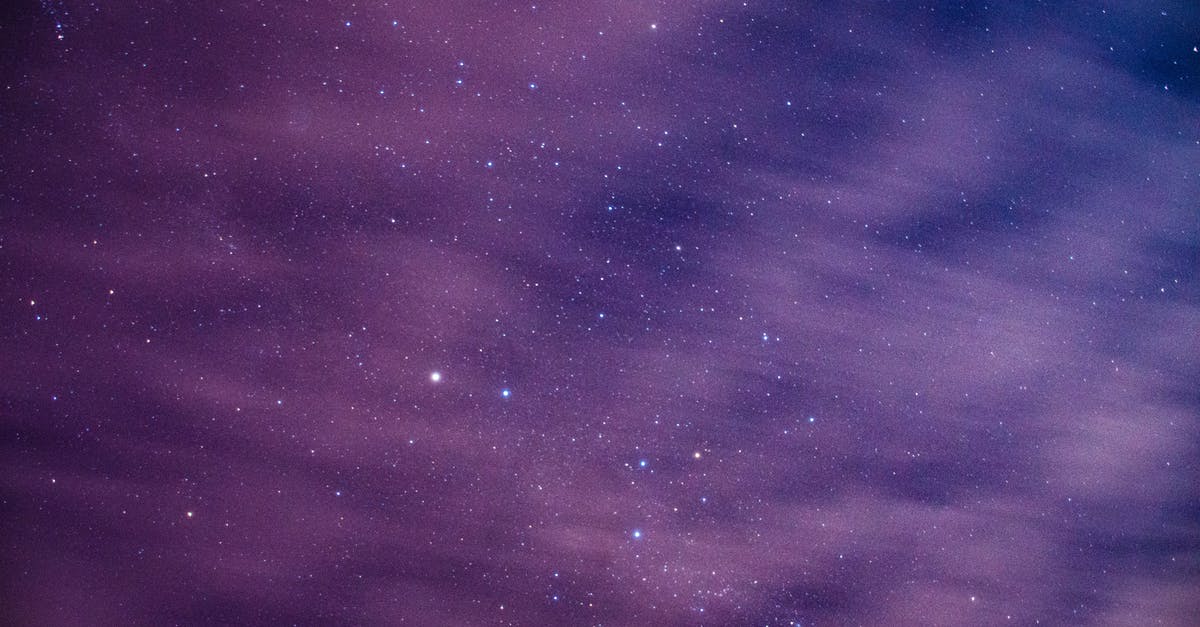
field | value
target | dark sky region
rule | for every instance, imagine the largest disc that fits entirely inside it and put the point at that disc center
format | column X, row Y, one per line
column 600, row 313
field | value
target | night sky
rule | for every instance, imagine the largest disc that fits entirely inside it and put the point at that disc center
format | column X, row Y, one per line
column 599, row 313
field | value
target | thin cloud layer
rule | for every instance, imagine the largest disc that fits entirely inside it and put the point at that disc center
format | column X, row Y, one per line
column 739, row 314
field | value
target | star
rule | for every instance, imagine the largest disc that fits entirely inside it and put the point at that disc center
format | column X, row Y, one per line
column 435, row 376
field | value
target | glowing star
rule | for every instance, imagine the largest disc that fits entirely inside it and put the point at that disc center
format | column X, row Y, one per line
column 505, row 393
column 696, row 455
column 435, row 376
column 637, row 534
column 643, row 463
column 190, row 514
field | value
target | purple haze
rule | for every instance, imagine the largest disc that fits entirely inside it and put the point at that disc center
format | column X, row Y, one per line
column 741, row 313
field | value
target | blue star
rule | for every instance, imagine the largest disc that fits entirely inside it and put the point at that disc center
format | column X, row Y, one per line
column 637, row 534
column 506, row 393
column 643, row 463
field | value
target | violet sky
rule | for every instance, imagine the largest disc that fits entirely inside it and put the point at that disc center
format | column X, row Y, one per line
column 600, row 313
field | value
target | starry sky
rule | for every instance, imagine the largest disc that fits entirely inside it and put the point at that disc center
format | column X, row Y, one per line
column 600, row 313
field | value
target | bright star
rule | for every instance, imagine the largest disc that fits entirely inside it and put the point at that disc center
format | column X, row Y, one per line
column 637, row 534
column 506, row 392
column 435, row 376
